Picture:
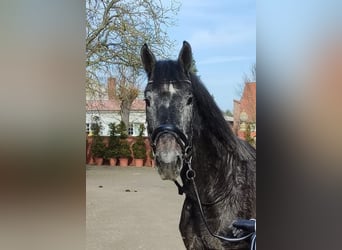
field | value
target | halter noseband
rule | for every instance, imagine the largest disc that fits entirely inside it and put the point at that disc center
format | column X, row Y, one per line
column 180, row 137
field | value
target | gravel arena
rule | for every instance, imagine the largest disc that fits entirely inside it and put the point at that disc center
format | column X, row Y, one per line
column 131, row 208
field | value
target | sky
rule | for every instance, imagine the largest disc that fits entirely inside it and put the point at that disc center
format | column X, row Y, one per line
column 222, row 34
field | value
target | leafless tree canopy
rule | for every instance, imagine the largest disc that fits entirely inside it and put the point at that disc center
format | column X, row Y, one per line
column 247, row 77
column 116, row 30
column 127, row 91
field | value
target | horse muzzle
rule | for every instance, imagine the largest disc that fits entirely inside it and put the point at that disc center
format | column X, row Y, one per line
column 168, row 156
column 169, row 144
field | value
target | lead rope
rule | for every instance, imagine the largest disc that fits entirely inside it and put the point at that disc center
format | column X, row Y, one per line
column 190, row 175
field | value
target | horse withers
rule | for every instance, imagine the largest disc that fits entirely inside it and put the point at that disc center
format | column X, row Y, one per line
column 191, row 140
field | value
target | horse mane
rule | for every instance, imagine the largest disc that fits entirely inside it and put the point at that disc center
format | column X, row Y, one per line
column 216, row 124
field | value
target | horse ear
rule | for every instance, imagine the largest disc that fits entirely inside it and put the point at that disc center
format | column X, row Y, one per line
column 147, row 59
column 185, row 57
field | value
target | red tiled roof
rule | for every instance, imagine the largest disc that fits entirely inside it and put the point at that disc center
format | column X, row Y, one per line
column 113, row 105
column 138, row 104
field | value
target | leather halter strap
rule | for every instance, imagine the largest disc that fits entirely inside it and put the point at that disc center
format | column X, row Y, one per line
column 171, row 129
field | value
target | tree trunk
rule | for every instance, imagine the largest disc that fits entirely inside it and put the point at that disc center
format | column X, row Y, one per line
column 125, row 108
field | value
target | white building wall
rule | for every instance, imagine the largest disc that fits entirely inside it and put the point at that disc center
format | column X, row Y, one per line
column 107, row 117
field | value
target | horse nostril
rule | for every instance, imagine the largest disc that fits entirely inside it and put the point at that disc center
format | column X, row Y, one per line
column 189, row 101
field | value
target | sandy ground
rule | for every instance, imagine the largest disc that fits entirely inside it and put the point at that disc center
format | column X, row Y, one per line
column 131, row 208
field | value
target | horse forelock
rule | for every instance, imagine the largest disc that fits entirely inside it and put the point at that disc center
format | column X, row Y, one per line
column 167, row 70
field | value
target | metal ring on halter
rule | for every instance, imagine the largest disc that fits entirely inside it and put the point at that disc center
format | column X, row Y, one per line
column 190, row 174
column 188, row 150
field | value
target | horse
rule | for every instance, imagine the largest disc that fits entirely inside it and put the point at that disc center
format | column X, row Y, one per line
column 192, row 141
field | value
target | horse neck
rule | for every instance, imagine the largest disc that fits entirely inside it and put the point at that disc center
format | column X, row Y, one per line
column 212, row 161
column 214, row 143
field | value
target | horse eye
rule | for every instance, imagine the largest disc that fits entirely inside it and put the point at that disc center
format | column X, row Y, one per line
column 189, row 101
column 147, row 101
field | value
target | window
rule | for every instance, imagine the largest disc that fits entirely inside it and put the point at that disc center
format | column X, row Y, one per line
column 96, row 126
column 131, row 129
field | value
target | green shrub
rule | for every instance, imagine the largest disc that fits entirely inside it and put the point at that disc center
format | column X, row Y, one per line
column 98, row 148
column 124, row 151
column 139, row 147
column 112, row 151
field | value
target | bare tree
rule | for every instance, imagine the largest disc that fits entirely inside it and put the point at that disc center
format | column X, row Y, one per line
column 116, row 30
column 247, row 77
column 127, row 90
column 253, row 73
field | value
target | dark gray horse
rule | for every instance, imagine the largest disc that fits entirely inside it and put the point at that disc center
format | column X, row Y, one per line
column 187, row 131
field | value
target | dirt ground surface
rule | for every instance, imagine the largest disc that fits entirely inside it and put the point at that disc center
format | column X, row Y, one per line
column 131, row 208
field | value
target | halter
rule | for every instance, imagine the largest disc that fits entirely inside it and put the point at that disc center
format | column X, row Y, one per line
column 190, row 175
column 179, row 136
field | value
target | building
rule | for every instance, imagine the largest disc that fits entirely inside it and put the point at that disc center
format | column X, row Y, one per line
column 245, row 112
column 229, row 120
column 105, row 106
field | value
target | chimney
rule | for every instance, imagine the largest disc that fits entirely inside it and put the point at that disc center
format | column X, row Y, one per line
column 111, row 88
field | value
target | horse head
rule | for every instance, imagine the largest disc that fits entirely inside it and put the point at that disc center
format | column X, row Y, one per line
column 169, row 109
